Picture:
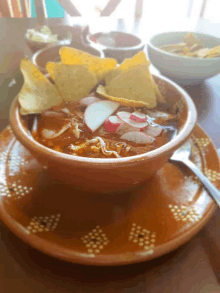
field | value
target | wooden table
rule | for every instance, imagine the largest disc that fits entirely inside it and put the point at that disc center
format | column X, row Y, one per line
column 192, row 268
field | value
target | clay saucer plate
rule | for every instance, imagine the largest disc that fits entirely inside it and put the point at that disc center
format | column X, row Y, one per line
column 105, row 229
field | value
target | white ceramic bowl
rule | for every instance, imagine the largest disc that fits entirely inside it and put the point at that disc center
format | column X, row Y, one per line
column 183, row 70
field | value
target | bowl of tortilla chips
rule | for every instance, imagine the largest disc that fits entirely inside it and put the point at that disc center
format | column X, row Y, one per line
column 75, row 77
column 185, row 57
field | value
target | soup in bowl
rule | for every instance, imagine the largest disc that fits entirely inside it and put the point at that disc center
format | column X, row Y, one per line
column 100, row 141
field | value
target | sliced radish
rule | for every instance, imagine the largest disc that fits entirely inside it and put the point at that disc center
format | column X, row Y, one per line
column 138, row 116
column 125, row 127
column 96, row 113
column 125, row 116
column 153, row 130
column 138, row 137
column 112, row 123
column 88, row 101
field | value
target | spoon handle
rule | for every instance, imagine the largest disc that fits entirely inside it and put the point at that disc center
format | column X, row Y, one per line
column 214, row 192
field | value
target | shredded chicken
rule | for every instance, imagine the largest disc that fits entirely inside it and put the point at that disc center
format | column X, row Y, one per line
column 119, row 146
column 95, row 149
column 95, row 141
column 76, row 130
column 104, row 151
column 127, row 149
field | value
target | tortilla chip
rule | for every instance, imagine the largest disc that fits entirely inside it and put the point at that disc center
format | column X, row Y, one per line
column 37, row 93
column 159, row 98
column 130, row 103
column 139, row 58
column 213, row 52
column 196, row 47
column 50, row 66
column 112, row 74
column 186, row 50
column 73, row 81
column 71, row 56
column 134, row 84
column 190, row 54
column 190, row 39
column 172, row 47
column 101, row 67
column 212, row 56
column 98, row 66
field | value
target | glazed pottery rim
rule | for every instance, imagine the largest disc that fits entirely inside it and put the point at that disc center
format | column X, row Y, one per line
column 152, row 46
column 136, row 47
column 171, row 146
column 62, row 253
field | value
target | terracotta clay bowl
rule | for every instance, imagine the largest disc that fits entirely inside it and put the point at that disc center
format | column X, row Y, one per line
column 111, row 175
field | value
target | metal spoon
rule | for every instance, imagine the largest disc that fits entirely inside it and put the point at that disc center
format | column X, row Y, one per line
column 182, row 155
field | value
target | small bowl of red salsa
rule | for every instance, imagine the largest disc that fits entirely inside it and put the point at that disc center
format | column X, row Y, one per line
column 118, row 45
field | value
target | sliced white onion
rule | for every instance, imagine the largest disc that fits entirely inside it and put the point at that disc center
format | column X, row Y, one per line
column 47, row 133
column 137, row 137
column 52, row 114
column 65, row 110
column 159, row 114
column 35, row 125
column 76, row 130
column 79, row 114
column 153, row 130
column 51, row 134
